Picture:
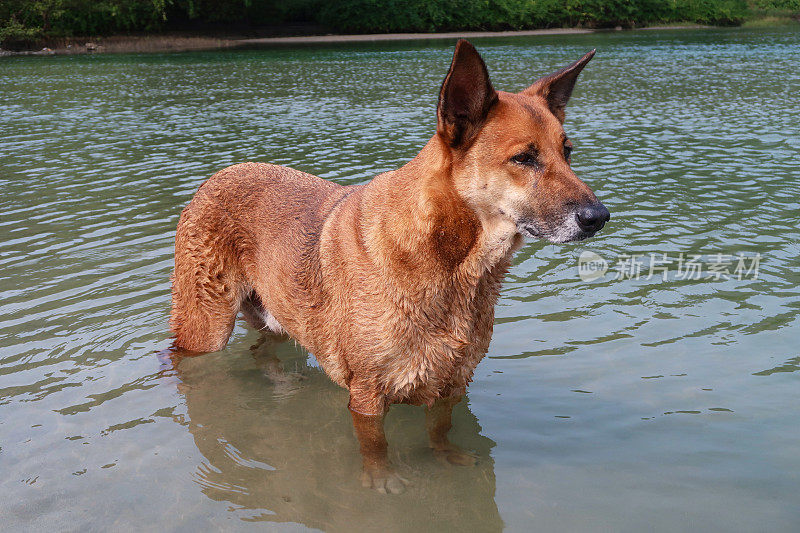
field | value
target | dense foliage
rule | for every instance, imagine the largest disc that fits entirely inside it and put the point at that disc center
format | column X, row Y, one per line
column 31, row 20
column 427, row 15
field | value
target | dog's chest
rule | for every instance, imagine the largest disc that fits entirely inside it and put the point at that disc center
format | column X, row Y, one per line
column 440, row 343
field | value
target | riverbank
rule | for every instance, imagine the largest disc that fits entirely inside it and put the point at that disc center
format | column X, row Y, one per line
column 181, row 43
column 161, row 26
column 128, row 44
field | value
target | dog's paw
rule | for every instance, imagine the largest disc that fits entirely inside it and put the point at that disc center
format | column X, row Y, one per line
column 384, row 481
column 456, row 456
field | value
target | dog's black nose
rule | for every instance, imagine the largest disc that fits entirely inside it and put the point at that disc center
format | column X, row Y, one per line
column 592, row 218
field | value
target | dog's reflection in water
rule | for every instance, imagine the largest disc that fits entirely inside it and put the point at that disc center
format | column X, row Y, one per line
column 279, row 446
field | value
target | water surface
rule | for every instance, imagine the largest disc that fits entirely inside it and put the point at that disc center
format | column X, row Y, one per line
column 616, row 404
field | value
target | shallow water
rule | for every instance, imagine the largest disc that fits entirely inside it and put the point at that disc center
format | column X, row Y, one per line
column 613, row 404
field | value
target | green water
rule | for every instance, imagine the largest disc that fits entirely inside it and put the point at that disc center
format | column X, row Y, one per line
column 609, row 405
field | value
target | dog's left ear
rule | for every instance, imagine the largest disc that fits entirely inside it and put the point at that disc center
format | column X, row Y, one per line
column 465, row 98
column 557, row 87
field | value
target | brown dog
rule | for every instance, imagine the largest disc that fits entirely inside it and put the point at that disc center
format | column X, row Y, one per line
column 390, row 284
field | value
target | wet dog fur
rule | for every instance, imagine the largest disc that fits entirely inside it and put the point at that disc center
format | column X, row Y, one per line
column 390, row 284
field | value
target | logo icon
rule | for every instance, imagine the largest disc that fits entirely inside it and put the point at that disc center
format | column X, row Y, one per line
column 591, row 266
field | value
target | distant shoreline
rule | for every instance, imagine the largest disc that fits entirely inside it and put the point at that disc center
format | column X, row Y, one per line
column 177, row 43
column 373, row 37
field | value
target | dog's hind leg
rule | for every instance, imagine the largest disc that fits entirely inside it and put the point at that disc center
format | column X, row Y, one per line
column 206, row 294
column 438, row 421
column 266, row 358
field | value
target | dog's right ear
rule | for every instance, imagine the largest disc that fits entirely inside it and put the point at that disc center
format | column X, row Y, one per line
column 557, row 87
column 465, row 98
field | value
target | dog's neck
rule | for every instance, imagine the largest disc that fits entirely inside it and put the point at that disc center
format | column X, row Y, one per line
column 415, row 215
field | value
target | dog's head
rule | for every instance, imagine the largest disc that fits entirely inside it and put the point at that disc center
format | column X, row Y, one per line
column 510, row 156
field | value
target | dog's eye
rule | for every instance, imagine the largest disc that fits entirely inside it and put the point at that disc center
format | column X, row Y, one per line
column 567, row 150
column 526, row 158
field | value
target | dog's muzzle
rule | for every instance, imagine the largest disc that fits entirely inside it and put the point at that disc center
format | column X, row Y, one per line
column 577, row 224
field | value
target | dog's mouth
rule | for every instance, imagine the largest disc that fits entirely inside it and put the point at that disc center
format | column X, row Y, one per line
column 571, row 228
column 526, row 229
column 557, row 236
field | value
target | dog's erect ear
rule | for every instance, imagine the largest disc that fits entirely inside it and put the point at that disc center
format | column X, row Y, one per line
column 466, row 96
column 557, row 87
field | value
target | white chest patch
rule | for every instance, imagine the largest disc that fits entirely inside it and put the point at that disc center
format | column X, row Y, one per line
column 271, row 323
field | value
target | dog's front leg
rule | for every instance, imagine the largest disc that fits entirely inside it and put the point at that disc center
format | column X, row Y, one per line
column 378, row 473
column 438, row 421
